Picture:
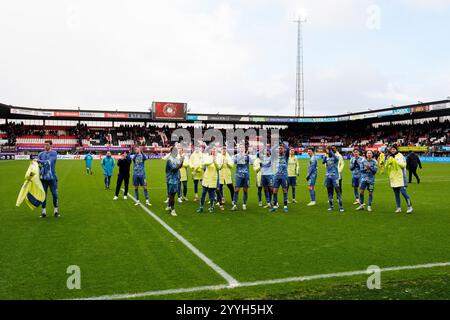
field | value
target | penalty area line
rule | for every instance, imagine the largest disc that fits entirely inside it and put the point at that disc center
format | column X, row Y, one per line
column 230, row 280
column 263, row 282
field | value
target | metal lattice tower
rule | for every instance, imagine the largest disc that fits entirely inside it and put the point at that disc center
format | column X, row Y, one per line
column 300, row 82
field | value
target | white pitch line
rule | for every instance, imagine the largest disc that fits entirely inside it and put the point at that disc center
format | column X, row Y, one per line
column 263, row 282
column 231, row 281
column 342, row 274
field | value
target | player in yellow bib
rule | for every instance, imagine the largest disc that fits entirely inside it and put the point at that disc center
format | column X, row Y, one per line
column 257, row 169
column 225, row 177
column 195, row 162
column 293, row 172
column 210, row 178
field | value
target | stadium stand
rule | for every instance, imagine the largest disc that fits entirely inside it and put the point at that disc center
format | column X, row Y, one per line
column 426, row 125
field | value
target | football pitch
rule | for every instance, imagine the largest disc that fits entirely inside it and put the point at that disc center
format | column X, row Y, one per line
column 125, row 251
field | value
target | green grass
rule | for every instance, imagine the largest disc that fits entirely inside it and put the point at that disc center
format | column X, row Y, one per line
column 121, row 249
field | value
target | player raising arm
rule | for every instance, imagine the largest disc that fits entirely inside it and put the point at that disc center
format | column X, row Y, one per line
column 368, row 170
column 331, row 162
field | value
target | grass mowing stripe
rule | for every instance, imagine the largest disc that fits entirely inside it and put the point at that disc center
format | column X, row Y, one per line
column 263, row 282
column 231, row 281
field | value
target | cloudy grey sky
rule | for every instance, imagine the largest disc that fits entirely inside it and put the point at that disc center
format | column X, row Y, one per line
column 227, row 56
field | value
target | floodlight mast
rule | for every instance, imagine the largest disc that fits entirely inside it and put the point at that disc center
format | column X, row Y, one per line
column 300, row 81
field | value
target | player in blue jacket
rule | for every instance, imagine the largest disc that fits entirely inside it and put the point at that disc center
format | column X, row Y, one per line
column 242, row 161
column 280, row 176
column 368, row 170
column 139, row 176
column 88, row 161
column 332, row 178
column 311, row 178
column 267, row 175
column 173, row 166
column 47, row 162
column 355, row 168
column 108, row 164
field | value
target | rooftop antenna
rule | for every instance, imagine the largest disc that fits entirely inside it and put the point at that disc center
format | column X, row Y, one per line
column 300, row 82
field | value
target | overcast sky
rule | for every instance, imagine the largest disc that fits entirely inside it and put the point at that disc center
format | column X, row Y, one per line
column 229, row 56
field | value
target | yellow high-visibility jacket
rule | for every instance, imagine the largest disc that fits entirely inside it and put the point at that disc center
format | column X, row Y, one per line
column 32, row 191
column 195, row 162
column 225, row 172
column 381, row 162
column 184, row 170
column 293, row 166
column 341, row 164
column 211, row 174
column 257, row 169
column 395, row 167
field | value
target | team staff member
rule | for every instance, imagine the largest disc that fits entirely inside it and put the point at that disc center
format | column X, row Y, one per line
column 395, row 167
column 88, row 161
column 108, row 164
column 412, row 162
column 47, row 161
column 124, row 164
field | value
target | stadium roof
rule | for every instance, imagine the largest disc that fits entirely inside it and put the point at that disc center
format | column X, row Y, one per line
column 420, row 110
